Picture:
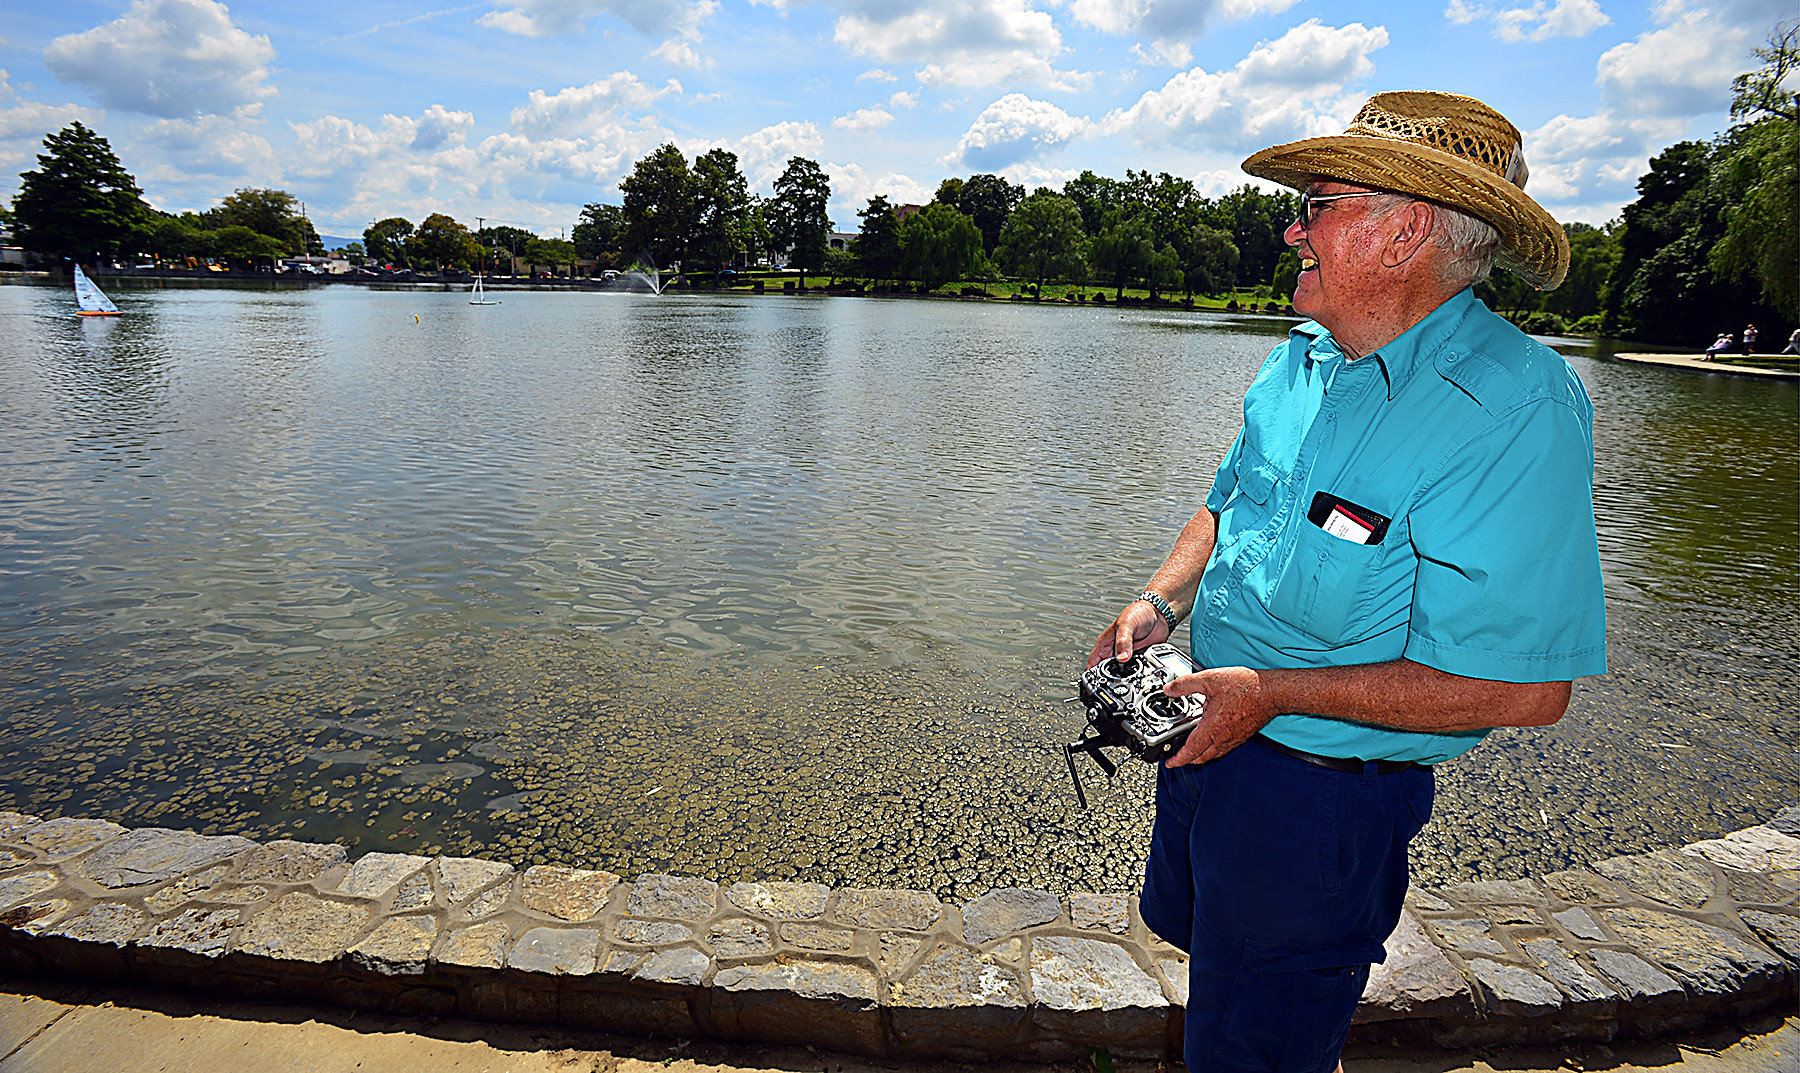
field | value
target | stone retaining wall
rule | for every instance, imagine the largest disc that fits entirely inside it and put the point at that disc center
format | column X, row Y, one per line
column 1635, row 945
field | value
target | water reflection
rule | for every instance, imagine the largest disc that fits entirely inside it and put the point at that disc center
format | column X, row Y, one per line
column 750, row 587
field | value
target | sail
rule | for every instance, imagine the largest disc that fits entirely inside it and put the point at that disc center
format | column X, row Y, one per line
column 92, row 300
column 478, row 297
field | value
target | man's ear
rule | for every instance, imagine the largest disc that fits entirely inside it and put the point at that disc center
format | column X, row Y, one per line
column 1407, row 233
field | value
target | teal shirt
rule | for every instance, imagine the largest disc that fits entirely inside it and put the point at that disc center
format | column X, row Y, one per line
column 1478, row 443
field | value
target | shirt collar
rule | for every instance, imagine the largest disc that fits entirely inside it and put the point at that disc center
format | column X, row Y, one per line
column 1399, row 359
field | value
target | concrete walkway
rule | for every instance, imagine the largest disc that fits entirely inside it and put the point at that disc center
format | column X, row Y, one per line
column 47, row 1027
column 1698, row 364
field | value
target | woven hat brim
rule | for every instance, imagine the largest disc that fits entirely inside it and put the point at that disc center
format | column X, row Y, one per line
column 1532, row 244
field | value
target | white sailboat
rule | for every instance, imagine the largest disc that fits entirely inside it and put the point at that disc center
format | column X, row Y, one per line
column 476, row 297
column 92, row 300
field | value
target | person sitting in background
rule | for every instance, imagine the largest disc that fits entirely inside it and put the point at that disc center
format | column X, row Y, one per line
column 1720, row 345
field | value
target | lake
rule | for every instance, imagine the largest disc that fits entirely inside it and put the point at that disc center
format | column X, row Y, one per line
column 755, row 588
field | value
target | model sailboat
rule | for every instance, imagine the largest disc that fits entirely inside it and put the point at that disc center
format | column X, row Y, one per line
column 477, row 298
column 92, row 301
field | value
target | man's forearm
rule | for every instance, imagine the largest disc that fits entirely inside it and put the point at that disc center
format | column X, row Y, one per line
column 1178, row 579
column 1405, row 695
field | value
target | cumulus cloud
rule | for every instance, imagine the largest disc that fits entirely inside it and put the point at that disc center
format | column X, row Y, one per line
column 763, row 154
column 175, row 59
column 576, row 108
column 1012, row 129
column 1287, row 88
column 852, row 186
column 1166, row 25
column 864, row 119
column 550, row 18
column 959, row 42
column 1685, row 66
column 1539, row 22
column 23, row 125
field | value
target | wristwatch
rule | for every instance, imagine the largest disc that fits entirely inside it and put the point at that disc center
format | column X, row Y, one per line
column 1162, row 608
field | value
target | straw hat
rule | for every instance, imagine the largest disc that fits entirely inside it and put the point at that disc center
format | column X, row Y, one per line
column 1441, row 147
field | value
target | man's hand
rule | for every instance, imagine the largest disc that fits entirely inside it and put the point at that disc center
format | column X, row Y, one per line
column 1138, row 627
column 1237, row 707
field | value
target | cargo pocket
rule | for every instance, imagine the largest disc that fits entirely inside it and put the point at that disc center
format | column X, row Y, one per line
column 1324, row 588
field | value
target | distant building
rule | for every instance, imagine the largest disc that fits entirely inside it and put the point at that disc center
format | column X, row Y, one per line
column 840, row 240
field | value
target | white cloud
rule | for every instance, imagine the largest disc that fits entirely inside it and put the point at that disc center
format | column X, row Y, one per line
column 1578, row 162
column 23, row 125
column 864, row 119
column 440, row 127
column 852, row 186
column 1539, row 22
column 170, row 58
column 576, row 108
column 549, row 18
column 682, row 54
column 1167, row 25
column 1287, row 88
column 763, row 154
column 876, row 74
column 903, row 99
column 1012, row 129
column 959, row 42
column 1683, row 68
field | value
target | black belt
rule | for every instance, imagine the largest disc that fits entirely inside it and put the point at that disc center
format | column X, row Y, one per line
column 1338, row 763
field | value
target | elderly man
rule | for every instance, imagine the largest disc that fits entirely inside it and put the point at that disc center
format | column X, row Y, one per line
column 1398, row 554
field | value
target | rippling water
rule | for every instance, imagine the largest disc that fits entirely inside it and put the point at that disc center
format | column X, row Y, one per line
column 751, row 587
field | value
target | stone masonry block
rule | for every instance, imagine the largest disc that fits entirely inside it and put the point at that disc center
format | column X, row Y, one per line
column 1512, row 992
column 1638, row 982
column 556, row 951
column 302, row 927
column 1664, row 876
column 907, row 910
column 957, row 1001
column 1780, row 930
column 800, row 1001
column 1755, row 849
column 1101, row 912
column 1088, row 991
column 482, row 946
column 1009, row 909
column 154, row 854
column 63, row 838
column 284, row 861
column 377, row 874
column 1415, row 979
column 399, row 946
column 780, row 901
column 1710, row 962
column 674, row 897
column 572, row 894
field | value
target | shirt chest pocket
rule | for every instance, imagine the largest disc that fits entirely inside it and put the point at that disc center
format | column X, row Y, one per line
column 1326, row 585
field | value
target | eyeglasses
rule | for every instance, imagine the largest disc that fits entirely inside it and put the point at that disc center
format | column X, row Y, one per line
column 1309, row 200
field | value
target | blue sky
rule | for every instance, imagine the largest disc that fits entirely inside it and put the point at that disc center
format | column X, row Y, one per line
column 521, row 111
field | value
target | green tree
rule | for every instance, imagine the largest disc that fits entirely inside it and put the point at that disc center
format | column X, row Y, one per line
column 661, row 211
column 274, row 213
column 1593, row 252
column 1209, row 260
column 1121, row 252
column 504, row 245
column 1287, row 275
column 443, row 242
column 797, row 217
column 988, row 200
column 721, row 209
column 386, row 241
column 1170, row 203
column 178, row 237
column 596, row 235
column 554, row 252
column 80, row 202
column 877, row 245
column 1043, row 239
column 1760, row 178
column 1256, row 221
column 1095, row 196
column 235, row 242
column 939, row 244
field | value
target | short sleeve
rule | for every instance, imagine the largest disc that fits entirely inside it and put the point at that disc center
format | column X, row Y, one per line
column 1225, row 482
column 1508, row 585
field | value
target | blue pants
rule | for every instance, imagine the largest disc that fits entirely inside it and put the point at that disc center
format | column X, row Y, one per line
column 1281, row 880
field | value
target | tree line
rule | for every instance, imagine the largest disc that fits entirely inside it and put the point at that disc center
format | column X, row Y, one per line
column 1709, row 244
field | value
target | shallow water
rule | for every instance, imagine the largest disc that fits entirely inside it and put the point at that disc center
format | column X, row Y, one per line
column 752, row 587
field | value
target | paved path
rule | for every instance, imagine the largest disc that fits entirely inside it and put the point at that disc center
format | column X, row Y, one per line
column 46, row 1027
column 1700, row 365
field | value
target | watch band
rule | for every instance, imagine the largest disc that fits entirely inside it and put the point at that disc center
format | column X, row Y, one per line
column 1162, row 608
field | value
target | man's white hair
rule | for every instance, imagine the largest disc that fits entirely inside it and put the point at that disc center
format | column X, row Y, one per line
column 1469, row 243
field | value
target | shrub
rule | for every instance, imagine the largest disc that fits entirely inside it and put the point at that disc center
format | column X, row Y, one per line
column 1542, row 322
